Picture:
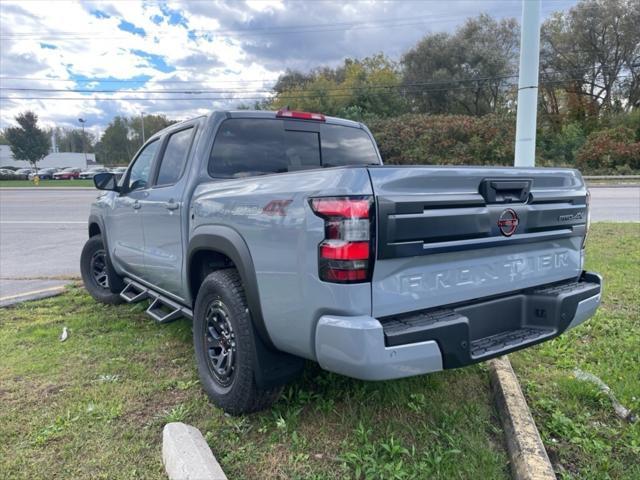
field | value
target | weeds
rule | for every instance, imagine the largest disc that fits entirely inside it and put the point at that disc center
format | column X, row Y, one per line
column 578, row 425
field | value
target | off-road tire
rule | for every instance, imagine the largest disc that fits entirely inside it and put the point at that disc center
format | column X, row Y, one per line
column 223, row 289
column 101, row 292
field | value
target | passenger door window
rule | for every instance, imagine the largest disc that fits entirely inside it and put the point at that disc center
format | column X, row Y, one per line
column 174, row 157
column 140, row 172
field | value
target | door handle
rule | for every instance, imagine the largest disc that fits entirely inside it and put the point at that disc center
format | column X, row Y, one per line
column 136, row 205
column 172, row 205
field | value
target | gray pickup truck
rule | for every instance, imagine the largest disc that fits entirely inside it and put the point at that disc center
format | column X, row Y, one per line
column 285, row 239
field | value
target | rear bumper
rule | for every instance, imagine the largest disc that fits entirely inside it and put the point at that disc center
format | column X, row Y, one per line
column 422, row 342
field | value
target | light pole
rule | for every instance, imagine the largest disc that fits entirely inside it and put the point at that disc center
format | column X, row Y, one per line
column 528, row 85
column 142, row 120
column 84, row 149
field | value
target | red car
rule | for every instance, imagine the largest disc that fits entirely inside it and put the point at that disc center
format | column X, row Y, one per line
column 67, row 174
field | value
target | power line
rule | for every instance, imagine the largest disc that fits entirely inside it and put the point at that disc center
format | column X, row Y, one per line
column 279, row 97
column 251, row 31
column 196, row 82
column 271, row 91
column 201, row 91
column 119, row 80
column 256, row 31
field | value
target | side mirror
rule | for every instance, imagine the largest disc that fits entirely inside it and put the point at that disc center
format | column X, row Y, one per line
column 106, row 181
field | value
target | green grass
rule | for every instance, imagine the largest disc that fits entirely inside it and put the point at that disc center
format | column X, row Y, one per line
column 583, row 436
column 47, row 183
column 94, row 407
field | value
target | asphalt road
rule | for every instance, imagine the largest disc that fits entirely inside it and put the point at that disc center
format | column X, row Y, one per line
column 42, row 232
column 615, row 204
column 41, row 235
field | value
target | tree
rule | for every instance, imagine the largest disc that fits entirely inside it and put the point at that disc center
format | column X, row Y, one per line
column 152, row 125
column 358, row 89
column 590, row 59
column 466, row 72
column 27, row 141
column 114, row 146
column 123, row 137
column 71, row 139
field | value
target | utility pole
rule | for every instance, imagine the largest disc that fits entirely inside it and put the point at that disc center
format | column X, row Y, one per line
column 84, row 147
column 527, row 109
column 142, row 120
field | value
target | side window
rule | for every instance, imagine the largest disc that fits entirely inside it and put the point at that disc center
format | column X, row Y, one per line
column 141, row 169
column 248, row 147
column 174, row 157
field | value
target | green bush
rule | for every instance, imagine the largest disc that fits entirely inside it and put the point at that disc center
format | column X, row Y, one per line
column 559, row 148
column 446, row 139
column 418, row 139
column 613, row 150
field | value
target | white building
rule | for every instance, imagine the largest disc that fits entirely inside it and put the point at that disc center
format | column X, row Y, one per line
column 53, row 160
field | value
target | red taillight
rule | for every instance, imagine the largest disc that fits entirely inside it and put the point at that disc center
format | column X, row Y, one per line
column 300, row 115
column 346, row 253
column 341, row 207
column 345, row 276
column 338, row 250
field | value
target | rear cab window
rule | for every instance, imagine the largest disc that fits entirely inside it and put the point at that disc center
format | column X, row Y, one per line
column 251, row 146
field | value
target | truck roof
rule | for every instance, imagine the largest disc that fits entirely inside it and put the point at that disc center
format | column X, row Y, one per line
column 272, row 114
column 257, row 114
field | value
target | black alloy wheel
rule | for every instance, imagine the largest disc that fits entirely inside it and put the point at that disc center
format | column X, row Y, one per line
column 219, row 343
column 99, row 268
column 98, row 276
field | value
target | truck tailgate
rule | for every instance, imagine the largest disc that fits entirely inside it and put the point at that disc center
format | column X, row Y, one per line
column 452, row 235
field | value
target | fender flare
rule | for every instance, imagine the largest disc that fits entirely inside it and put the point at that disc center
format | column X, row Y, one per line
column 93, row 218
column 229, row 242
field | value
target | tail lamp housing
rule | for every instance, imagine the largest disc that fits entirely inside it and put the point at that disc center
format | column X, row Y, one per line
column 346, row 253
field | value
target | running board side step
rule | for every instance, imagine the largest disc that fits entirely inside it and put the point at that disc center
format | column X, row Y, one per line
column 133, row 292
column 161, row 308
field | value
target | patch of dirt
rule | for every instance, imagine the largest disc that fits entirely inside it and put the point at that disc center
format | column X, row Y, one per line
column 147, row 409
column 269, row 465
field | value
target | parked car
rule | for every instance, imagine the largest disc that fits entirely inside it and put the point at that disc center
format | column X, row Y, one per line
column 67, row 174
column 91, row 172
column 23, row 173
column 44, row 173
column 288, row 239
column 118, row 172
column 6, row 174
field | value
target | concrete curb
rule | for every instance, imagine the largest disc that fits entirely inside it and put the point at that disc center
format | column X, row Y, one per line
column 529, row 460
column 186, row 455
column 29, row 296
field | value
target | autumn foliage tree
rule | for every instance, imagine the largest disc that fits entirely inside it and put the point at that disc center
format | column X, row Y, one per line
column 357, row 89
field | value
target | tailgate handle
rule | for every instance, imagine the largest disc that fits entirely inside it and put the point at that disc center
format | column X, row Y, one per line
column 505, row 191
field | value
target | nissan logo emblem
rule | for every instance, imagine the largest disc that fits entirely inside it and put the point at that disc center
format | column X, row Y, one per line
column 508, row 222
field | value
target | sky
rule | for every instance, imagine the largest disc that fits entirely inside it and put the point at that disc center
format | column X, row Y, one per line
column 152, row 52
